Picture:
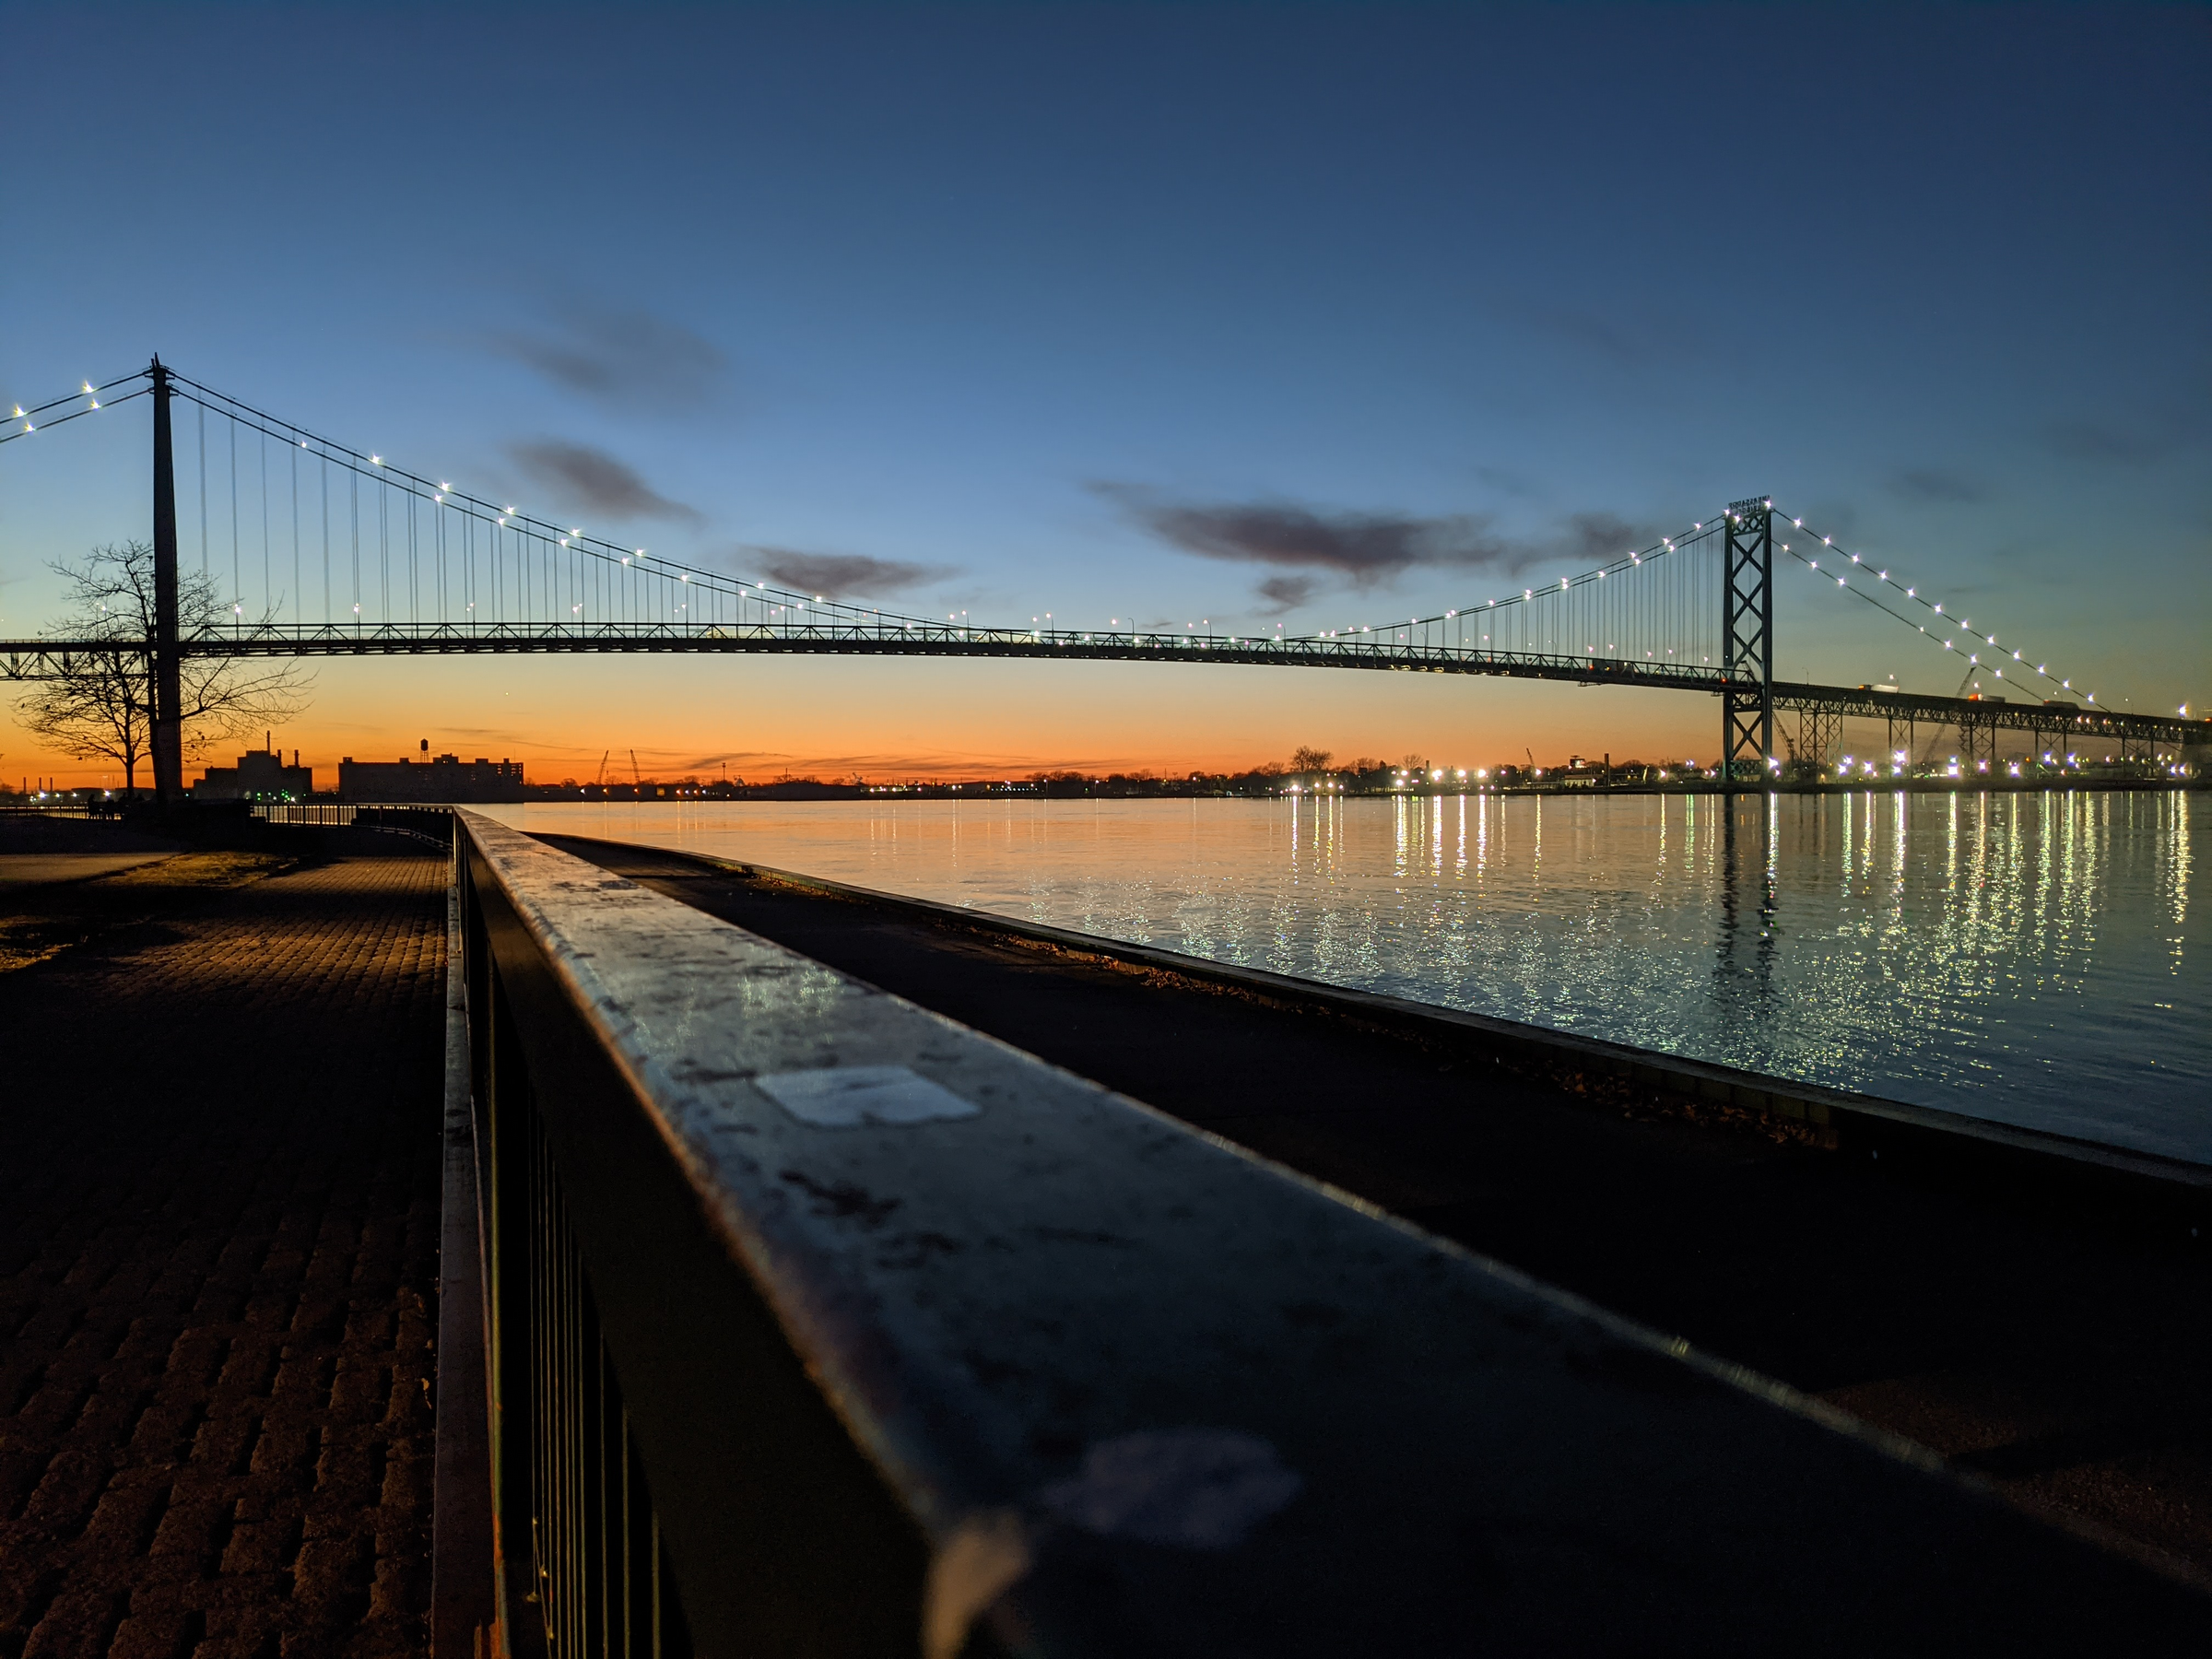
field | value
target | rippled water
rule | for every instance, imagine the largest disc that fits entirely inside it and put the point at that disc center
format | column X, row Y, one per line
column 2022, row 956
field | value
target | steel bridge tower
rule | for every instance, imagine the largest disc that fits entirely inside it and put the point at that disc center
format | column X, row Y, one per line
column 1747, row 644
column 167, row 734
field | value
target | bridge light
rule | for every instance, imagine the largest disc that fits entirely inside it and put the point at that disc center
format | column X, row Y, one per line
column 376, row 460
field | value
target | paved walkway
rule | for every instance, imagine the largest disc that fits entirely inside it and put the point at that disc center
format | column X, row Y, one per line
column 218, row 1232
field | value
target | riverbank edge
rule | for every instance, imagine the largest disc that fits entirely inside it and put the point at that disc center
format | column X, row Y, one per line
column 1925, row 1139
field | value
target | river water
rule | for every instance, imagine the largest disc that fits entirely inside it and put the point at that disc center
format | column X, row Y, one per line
column 2024, row 958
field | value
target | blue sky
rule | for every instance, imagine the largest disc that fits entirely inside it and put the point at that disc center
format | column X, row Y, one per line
column 975, row 300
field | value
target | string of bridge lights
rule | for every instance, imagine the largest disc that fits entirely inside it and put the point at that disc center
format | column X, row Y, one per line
column 1634, row 559
column 87, row 402
column 90, row 400
column 504, row 516
column 1840, row 574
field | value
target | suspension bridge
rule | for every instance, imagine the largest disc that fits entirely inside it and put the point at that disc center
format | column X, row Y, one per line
column 318, row 549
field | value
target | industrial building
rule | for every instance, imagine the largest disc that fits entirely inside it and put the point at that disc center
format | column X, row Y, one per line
column 439, row 778
column 260, row 775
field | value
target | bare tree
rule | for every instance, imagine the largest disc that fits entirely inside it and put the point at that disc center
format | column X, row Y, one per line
column 1304, row 760
column 100, row 706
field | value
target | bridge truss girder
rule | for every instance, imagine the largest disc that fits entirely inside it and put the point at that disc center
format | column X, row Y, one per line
column 22, row 660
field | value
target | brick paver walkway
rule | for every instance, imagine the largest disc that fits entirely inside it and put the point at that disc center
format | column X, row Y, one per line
column 218, row 1232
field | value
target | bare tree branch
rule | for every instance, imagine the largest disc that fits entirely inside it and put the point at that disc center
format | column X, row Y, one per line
column 102, row 707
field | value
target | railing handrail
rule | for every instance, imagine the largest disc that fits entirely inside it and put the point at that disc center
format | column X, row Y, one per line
column 914, row 1331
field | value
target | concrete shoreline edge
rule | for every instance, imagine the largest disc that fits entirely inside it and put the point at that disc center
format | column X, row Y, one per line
column 1835, row 1120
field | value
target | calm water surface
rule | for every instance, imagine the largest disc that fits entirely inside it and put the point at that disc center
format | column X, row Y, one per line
column 2025, row 958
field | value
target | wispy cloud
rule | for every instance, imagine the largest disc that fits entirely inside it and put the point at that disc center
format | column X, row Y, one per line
column 1628, row 338
column 2151, row 431
column 1366, row 550
column 1934, row 485
column 595, row 481
column 616, row 356
column 843, row 575
column 2101, row 441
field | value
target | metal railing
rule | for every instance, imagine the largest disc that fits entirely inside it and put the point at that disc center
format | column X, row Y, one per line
column 434, row 824
column 818, row 1324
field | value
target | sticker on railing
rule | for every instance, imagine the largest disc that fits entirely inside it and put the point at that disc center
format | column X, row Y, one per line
column 847, row 1097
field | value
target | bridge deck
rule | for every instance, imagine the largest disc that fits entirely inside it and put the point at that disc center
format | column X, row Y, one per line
column 40, row 659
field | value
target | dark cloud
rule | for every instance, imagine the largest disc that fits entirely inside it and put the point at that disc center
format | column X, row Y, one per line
column 841, row 575
column 1285, row 593
column 1586, row 538
column 618, row 357
column 594, row 481
column 1932, row 485
column 1364, row 549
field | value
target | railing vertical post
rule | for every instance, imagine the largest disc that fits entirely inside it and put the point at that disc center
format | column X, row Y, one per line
column 1747, row 641
column 166, row 714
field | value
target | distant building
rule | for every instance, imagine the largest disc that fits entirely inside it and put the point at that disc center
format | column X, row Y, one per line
column 260, row 775
column 440, row 779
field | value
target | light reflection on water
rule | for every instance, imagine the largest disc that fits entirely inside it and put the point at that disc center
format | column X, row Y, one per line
column 2022, row 956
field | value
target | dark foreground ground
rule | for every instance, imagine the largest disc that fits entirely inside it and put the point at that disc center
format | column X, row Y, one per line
column 219, row 1230
column 2064, row 1354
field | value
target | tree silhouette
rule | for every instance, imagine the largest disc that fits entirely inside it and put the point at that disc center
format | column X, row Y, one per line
column 100, row 706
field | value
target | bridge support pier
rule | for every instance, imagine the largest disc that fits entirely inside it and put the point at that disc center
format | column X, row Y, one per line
column 1747, row 646
column 1819, row 736
column 166, row 722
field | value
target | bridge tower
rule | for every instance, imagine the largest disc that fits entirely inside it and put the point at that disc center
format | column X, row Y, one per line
column 1747, row 644
column 168, row 726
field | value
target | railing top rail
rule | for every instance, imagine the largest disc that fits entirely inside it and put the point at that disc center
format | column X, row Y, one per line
column 1142, row 1391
